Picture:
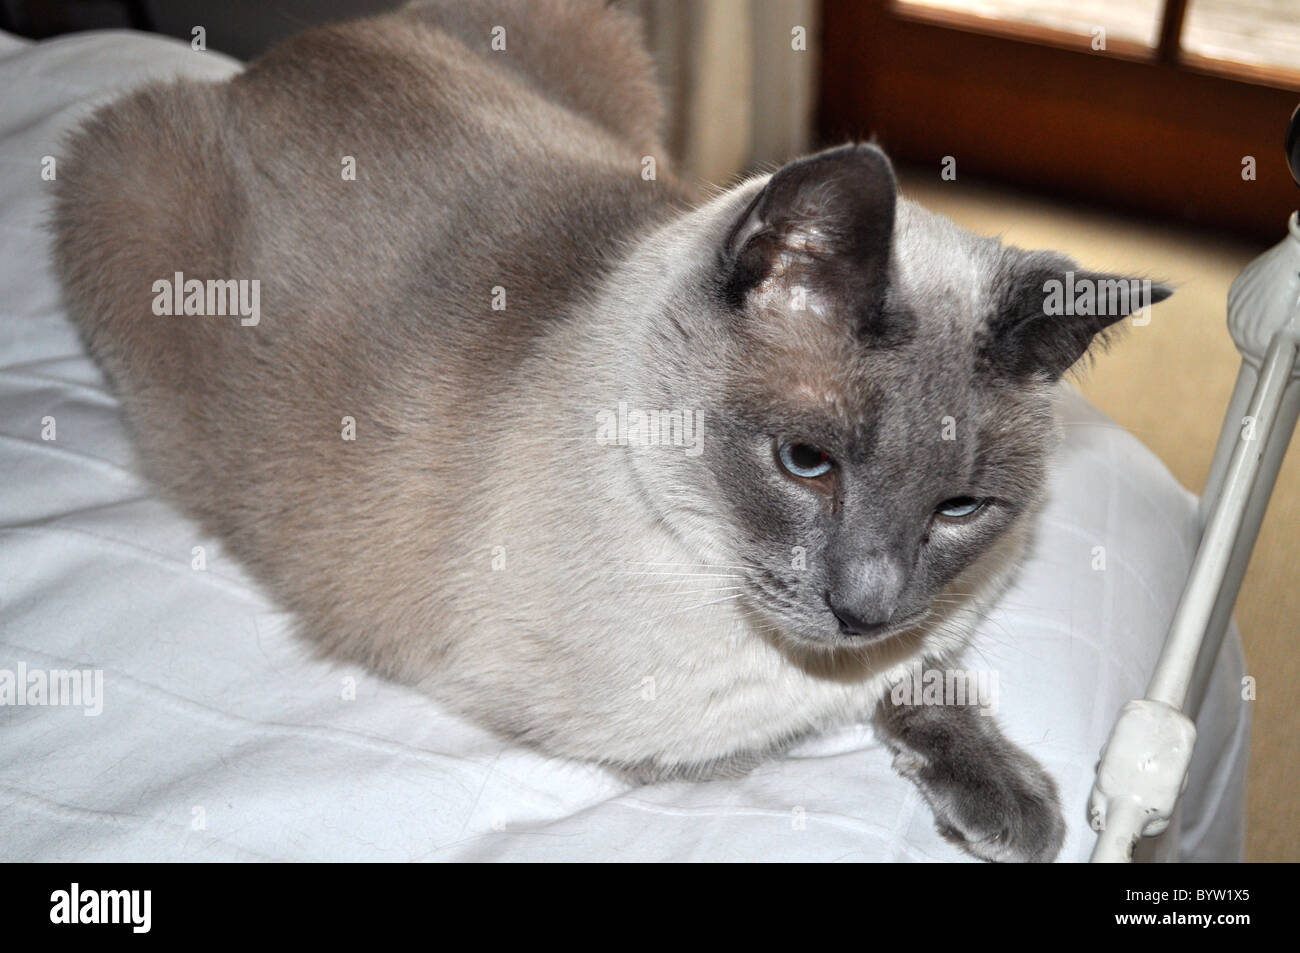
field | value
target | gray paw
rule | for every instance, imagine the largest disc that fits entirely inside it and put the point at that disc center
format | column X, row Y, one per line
column 1006, row 809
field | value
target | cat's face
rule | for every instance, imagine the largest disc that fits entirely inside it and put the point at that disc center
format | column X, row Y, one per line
column 879, row 399
column 857, row 499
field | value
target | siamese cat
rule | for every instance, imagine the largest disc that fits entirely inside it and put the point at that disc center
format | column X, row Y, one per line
column 621, row 473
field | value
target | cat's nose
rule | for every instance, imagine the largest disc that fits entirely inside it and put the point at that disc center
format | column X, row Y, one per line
column 864, row 593
column 851, row 624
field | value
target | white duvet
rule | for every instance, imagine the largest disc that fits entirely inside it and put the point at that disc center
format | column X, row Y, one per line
column 219, row 739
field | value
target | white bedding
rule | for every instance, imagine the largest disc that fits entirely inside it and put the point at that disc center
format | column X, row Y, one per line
column 219, row 738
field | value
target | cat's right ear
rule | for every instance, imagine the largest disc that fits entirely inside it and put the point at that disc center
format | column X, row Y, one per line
column 1051, row 312
column 823, row 226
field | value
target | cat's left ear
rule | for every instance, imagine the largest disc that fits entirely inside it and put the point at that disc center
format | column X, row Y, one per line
column 1050, row 312
column 823, row 226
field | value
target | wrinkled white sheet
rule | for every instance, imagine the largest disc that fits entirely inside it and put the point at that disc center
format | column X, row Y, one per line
column 220, row 739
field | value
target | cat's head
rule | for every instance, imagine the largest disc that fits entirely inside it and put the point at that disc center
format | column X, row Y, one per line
column 876, row 388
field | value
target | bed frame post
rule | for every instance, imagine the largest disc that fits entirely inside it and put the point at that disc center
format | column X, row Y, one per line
column 1144, row 765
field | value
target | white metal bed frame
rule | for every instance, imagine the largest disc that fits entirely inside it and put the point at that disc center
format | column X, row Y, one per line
column 1143, row 768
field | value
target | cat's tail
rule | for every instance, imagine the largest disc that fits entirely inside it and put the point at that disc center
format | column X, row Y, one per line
column 146, row 190
column 143, row 186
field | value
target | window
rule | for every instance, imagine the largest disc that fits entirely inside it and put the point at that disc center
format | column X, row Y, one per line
column 1168, row 107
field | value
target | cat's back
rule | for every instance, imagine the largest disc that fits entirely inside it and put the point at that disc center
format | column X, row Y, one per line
column 400, row 168
column 454, row 149
column 378, row 181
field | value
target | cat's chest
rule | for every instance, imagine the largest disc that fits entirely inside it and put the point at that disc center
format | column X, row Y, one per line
column 709, row 684
column 628, row 645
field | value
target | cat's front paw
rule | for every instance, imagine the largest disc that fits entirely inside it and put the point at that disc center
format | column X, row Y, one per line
column 1006, row 811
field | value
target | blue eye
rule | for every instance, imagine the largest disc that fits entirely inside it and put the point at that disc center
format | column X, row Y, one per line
column 959, row 507
column 804, row 460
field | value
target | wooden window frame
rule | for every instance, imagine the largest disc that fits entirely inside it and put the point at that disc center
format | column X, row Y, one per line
column 1152, row 130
